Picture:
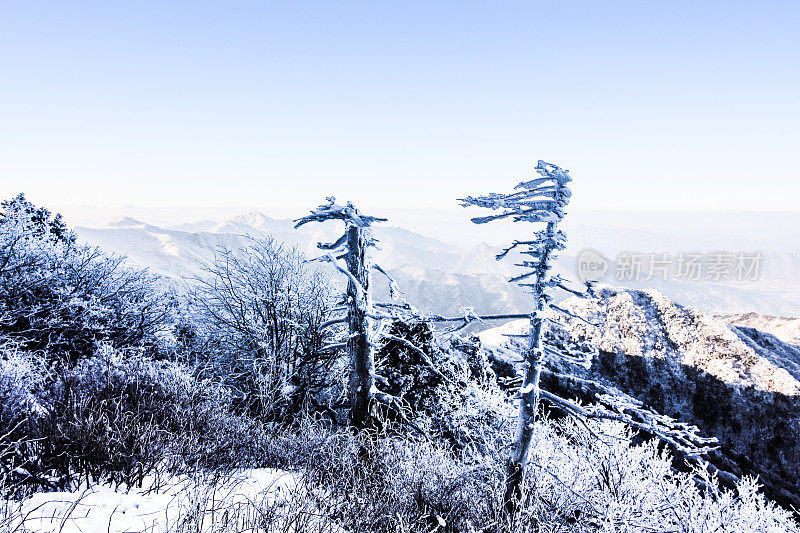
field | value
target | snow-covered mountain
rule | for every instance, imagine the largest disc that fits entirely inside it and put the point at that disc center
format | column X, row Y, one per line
column 442, row 277
column 738, row 384
column 429, row 270
column 785, row 328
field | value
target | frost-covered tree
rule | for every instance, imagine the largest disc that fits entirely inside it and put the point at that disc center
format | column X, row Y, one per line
column 365, row 319
column 261, row 308
column 37, row 222
column 63, row 299
column 542, row 200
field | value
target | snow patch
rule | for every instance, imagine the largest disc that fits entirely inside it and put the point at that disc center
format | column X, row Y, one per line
column 167, row 244
column 498, row 337
column 103, row 509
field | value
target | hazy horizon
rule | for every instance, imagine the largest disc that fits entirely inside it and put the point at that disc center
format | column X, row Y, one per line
column 452, row 224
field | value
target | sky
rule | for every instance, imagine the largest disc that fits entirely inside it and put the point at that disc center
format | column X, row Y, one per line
column 652, row 106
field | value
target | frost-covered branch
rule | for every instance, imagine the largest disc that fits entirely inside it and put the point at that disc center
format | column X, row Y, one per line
column 332, row 211
column 680, row 436
column 394, row 288
column 333, row 321
column 349, row 275
column 571, row 315
column 338, row 243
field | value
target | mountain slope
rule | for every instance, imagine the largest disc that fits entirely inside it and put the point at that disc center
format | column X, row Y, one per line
column 428, row 270
column 742, row 386
column 447, row 293
column 785, row 328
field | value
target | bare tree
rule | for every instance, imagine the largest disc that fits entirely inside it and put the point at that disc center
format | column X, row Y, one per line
column 265, row 307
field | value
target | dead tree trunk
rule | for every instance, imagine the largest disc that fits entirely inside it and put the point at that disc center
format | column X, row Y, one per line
column 359, row 347
column 530, row 391
column 529, row 402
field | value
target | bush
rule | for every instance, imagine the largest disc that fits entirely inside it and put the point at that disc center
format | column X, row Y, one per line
column 37, row 221
column 260, row 310
column 577, row 481
column 115, row 417
column 451, row 394
column 63, row 299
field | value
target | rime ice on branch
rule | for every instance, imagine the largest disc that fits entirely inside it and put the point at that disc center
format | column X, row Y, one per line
column 542, row 200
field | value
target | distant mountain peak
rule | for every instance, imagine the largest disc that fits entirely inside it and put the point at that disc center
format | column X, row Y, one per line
column 255, row 219
column 254, row 223
column 124, row 222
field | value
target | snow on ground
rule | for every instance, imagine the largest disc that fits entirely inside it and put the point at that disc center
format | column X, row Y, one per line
column 497, row 337
column 234, row 501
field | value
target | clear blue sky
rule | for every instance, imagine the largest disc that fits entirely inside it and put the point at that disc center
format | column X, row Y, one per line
column 652, row 105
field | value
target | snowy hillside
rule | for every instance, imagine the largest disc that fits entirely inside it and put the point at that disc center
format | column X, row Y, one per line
column 785, row 328
column 736, row 383
column 647, row 324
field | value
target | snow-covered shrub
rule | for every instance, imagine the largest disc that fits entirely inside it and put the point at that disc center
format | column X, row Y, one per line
column 450, row 392
column 260, row 310
column 391, row 484
column 60, row 298
column 473, row 420
column 580, row 478
column 577, row 481
column 591, row 478
column 408, row 375
column 116, row 417
column 21, row 383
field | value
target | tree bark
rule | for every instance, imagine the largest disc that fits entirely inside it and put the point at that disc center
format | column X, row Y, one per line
column 359, row 348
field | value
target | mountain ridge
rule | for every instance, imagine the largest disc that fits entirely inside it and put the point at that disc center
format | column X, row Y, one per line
column 178, row 252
